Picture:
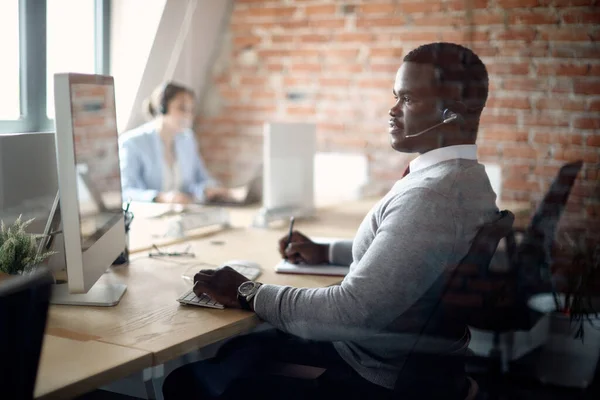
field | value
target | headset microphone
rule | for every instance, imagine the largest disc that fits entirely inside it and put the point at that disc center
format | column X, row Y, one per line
column 448, row 116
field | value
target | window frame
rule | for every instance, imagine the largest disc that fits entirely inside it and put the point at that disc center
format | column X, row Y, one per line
column 32, row 63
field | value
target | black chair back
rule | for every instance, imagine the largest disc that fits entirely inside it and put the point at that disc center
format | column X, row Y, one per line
column 24, row 304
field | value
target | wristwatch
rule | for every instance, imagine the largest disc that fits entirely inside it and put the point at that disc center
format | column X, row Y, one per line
column 246, row 292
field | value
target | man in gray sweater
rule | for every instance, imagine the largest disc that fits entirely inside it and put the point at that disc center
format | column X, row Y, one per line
column 365, row 330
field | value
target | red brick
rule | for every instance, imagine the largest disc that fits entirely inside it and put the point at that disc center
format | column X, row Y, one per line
column 264, row 53
column 507, row 119
column 584, row 16
column 278, row 39
column 353, row 37
column 461, row 5
column 516, row 171
column 378, row 8
column 390, row 68
column 315, row 38
column 520, row 185
column 272, row 66
column 438, row 21
column 246, row 41
column 508, row 68
column 296, row 24
column 579, row 51
column 517, row 3
column 586, row 87
column 521, row 103
column 381, row 22
column 559, row 103
column 486, row 17
column 279, row 12
column 420, row 7
column 254, row 80
column 386, row 52
column 566, row 3
column 574, row 154
column 504, row 135
column 594, row 105
column 571, row 34
column 546, row 170
column 593, row 140
column 524, row 84
column 306, row 67
column 345, row 68
column 465, row 37
column 519, row 151
column 409, row 36
column 555, row 69
column 334, row 82
column 487, row 150
column 518, row 33
column 333, row 23
column 546, row 119
column 298, row 81
column 586, row 123
column 376, row 83
column 517, row 49
column 558, row 138
column 305, row 54
column 321, row 9
column 533, row 18
column 301, row 110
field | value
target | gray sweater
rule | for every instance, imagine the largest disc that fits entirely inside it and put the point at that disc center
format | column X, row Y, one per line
column 418, row 231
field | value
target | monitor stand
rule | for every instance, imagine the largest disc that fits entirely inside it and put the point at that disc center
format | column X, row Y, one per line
column 99, row 295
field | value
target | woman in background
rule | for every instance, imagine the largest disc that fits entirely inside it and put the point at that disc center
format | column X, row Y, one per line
column 160, row 160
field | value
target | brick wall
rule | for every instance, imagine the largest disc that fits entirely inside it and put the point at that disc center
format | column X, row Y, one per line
column 333, row 62
column 94, row 126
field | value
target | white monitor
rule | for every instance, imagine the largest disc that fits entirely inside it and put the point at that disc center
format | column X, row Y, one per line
column 288, row 177
column 89, row 181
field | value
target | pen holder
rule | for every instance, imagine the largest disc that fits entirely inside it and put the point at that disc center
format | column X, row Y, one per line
column 124, row 256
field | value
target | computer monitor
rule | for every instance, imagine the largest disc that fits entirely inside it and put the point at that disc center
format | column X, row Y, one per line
column 288, row 178
column 89, row 181
column 28, row 186
column 28, row 181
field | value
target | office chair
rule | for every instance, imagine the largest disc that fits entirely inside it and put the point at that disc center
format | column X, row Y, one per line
column 23, row 310
column 468, row 297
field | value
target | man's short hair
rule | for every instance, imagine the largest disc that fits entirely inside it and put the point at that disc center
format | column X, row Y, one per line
column 459, row 71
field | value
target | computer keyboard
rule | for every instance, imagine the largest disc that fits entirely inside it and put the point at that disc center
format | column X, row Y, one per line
column 190, row 298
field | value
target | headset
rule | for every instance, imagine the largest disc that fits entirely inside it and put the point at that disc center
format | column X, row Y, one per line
column 447, row 117
column 163, row 107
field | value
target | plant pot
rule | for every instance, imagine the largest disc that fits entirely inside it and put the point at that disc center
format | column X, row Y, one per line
column 564, row 360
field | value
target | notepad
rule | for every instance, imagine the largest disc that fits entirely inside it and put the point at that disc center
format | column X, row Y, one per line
column 285, row 267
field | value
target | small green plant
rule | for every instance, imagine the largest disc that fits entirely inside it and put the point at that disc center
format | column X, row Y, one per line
column 19, row 249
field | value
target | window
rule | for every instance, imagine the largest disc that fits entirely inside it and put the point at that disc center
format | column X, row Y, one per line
column 10, row 100
column 70, row 41
column 41, row 38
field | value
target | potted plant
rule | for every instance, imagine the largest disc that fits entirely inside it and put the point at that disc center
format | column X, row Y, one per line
column 19, row 249
column 570, row 355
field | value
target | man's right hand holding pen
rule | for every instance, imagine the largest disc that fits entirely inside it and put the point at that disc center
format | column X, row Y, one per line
column 301, row 249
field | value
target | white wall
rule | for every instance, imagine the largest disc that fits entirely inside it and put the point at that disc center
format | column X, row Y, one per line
column 134, row 25
column 162, row 40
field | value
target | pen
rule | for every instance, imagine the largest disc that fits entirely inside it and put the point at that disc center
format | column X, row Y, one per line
column 289, row 241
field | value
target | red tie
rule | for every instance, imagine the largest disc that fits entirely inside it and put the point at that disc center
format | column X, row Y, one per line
column 406, row 171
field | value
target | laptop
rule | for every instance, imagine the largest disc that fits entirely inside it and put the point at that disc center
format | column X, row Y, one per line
column 23, row 311
column 248, row 194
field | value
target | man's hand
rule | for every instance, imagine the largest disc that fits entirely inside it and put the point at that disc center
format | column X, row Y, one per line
column 173, row 197
column 216, row 193
column 220, row 284
column 302, row 249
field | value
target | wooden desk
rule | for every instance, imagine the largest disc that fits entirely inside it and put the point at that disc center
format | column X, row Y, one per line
column 149, row 320
column 71, row 366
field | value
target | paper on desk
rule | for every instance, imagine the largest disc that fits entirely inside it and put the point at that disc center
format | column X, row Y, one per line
column 285, row 267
